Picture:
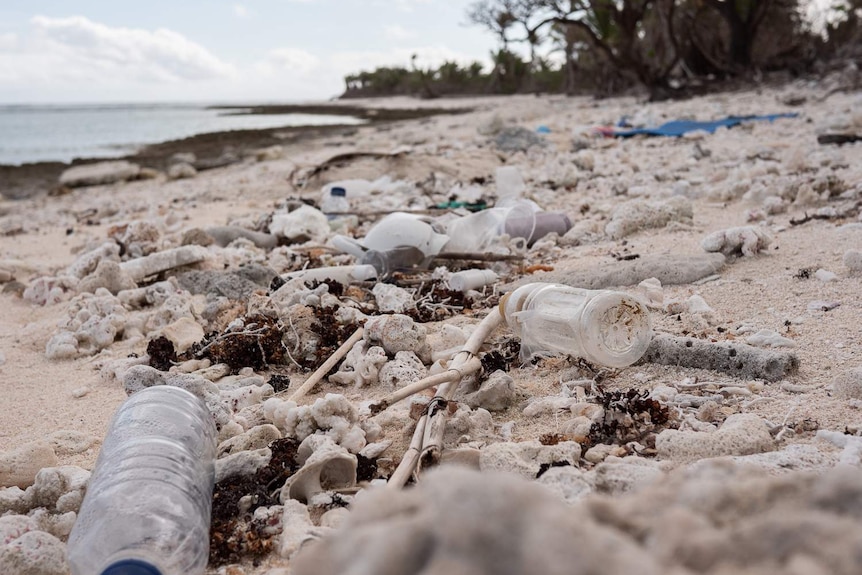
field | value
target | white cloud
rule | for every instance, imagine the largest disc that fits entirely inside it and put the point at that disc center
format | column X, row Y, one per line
column 240, row 11
column 291, row 60
column 397, row 33
column 8, row 41
column 79, row 48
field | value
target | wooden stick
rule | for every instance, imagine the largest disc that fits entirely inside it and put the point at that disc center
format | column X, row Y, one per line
column 327, row 365
column 408, row 463
column 432, row 435
column 470, row 365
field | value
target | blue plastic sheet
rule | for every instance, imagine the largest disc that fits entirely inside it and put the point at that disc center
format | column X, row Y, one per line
column 677, row 128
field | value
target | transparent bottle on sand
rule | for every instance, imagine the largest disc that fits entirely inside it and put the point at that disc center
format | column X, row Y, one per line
column 606, row 327
column 148, row 503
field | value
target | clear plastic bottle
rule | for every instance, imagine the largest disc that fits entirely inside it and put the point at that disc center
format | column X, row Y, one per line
column 390, row 261
column 602, row 326
column 148, row 503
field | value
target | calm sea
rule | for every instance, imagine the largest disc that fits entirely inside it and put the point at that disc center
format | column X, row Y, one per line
column 64, row 132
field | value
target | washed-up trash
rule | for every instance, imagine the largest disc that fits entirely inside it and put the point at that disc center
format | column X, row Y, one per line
column 543, row 129
column 510, row 185
column 678, row 128
column 300, row 225
column 403, row 258
column 469, row 206
column 602, row 326
column 151, row 488
column 478, row 232
column 466, row 280
column 403, row 229
column 341, row 274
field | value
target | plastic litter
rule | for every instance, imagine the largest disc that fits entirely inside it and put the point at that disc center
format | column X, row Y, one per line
column 677, row 128
column 605, row 327
column 341, row 274
column 466, row 280
column 403, row 229
column 478, row 232
column 397, row 259
column 148, row 503
column 335, row 197
column 510, row 185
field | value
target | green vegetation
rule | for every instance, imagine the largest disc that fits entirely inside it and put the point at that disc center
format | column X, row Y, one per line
column 604, row 46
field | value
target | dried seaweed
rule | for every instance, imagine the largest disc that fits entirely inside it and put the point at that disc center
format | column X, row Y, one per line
column 366, row 468
column 235, row 535
column 162, row 353
column 629, row 416
column 503, row 358
column 256, row 345
column 279, row 382
column 335, row 288
column 544, row 467
column 331, row 334
column 436, row 302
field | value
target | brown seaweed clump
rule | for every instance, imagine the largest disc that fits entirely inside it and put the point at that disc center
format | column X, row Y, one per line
column 630, row 416
column 162, row 353
column 234, row 533
column 257, row 344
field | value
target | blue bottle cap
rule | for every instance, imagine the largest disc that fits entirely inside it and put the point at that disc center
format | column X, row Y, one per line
column 131, row 567
column 338, row 192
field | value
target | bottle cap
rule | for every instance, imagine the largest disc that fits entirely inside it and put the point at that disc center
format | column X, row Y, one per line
column 131, row 567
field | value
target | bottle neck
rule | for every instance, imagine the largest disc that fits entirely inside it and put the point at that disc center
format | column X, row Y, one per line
column 137, row 563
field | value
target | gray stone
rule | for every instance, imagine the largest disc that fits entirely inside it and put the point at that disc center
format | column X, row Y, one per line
column 457, row 521
column 526, row 458
column 740, row 434
column 632, row 216
column 224, row 235
column 495, row 394
column 108, row 275
column 242, row 464
column 158, row 262
column 181, row 170
column 849, row 384
column 33, row 553
column 517, row 140
column 669, row 269
column 99, row 173
column 234, row 284
column 736, row 359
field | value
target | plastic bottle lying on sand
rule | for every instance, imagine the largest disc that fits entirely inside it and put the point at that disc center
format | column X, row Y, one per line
column 396, row 259
column 148, row 503
column 477, row 232
column 336, row 196
column 602, row 326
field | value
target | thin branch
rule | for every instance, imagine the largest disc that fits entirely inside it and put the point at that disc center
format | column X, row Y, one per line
column 321, row 371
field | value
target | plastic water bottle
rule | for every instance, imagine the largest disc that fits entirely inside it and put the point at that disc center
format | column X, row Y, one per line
column 606, row 327
column 390, row 261
column 148, row 503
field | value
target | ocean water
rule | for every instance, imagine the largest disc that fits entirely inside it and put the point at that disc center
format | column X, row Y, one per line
column 64, row 132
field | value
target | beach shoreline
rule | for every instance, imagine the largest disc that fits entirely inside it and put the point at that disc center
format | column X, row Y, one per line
column 33, row 179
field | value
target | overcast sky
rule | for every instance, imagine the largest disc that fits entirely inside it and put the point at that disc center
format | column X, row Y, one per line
column 196, row 50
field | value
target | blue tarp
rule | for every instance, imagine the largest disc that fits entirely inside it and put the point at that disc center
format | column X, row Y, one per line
column 679, row 127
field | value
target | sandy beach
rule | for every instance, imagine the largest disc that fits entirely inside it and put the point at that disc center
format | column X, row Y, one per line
column 790, row 285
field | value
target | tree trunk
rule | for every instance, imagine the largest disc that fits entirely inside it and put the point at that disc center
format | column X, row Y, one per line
column 740, row 40
column 570, row 68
